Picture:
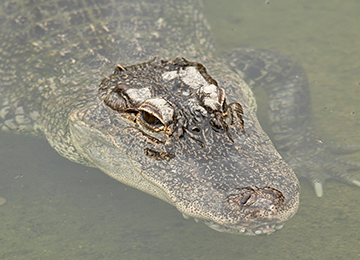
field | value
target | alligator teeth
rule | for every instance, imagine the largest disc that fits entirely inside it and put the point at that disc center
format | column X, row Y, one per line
column 185, row 216
column 215, row 226
column 356, row 182
column 318, row 189
column 279, row 227
column 258, row 232
column 265, row 229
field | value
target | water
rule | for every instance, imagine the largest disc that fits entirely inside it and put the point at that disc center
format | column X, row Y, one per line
column 56, row 209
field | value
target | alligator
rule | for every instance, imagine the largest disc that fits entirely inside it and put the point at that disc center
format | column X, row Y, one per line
column 175, row 119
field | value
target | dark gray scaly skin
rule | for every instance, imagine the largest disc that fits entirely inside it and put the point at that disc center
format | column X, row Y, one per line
column 290, row 116
column 166, row 126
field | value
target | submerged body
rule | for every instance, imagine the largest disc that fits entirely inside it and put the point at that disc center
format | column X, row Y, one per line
column 169, row 127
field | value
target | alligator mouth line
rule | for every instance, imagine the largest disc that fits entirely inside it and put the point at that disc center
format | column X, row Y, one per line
column 263, row 229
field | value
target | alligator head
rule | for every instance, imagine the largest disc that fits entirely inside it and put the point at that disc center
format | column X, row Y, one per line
column 165, row 127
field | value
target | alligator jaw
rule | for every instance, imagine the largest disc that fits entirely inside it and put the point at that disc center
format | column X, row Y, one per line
column 263, row 229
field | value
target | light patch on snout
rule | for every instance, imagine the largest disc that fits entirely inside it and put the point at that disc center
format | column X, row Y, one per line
column 190, row 76
column 170, row 75
column 138, row 96
column 212, row 96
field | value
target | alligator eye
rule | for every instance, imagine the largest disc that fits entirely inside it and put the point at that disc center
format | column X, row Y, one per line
column 151, row 120
column 156, row 114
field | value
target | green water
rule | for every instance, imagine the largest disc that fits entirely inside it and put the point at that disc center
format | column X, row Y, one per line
column 56, row 209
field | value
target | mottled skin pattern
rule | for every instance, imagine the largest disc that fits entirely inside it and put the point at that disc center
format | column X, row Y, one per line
column 290, row 117
column 209, row 157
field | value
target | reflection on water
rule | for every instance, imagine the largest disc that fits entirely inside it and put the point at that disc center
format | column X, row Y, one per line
column 56, row 209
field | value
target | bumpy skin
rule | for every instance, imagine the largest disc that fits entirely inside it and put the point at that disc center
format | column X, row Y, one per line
column 290, row 116
column 169, row 131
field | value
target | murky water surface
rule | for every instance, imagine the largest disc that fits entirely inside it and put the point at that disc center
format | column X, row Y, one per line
column 56, row 209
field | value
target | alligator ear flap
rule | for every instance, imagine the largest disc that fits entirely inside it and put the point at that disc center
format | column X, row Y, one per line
column 116, row 101
column 112, row 94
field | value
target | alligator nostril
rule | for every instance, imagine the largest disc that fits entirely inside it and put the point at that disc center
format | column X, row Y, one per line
column 245, row 199
column 195, row 129
column 255, row 197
